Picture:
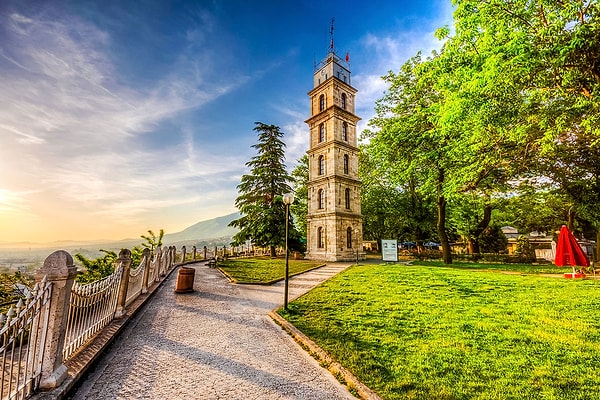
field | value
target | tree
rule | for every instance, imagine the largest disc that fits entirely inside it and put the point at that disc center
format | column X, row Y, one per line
column 300, row 207
column 259, row 200
column 532, row 67
column 152, row 241
column 407, row 140
column 390, row 211
column 98, row 268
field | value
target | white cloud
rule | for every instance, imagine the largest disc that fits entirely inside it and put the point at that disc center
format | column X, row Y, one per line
column 68, row 129
column 389, row 52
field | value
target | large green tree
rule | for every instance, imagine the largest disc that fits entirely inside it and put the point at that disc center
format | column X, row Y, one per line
column 259, row 201
column 533, row 71
column 408, row 141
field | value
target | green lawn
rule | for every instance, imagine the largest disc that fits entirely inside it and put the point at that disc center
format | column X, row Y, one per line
column 263, row 269
column 424, row 332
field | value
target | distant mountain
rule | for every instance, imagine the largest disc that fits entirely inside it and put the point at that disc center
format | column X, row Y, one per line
column 210, row 229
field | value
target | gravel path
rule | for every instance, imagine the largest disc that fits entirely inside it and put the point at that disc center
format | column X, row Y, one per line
column 214, row 343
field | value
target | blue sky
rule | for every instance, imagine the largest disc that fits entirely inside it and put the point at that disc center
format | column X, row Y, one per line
column 122, row 116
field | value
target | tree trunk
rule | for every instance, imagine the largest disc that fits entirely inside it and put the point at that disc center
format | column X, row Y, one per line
column 598, row 244
column 571, row 220
column 473, row 241
column 441, row 228
column 272, row 251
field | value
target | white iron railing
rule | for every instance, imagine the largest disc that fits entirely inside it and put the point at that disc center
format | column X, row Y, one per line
column 22, row 343
column 91, row 308
column 136, row 282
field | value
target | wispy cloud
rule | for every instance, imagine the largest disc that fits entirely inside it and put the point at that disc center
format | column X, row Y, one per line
column 390, row 51
column 70, row 128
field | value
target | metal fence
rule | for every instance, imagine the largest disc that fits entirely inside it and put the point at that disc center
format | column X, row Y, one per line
column 22, row 342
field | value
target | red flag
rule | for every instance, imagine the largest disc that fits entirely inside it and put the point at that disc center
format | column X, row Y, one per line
column 347, row 56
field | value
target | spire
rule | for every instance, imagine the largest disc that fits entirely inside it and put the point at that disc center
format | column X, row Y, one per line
column 331, row 44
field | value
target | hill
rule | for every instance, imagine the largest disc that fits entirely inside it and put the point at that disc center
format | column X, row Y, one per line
column 205, row 230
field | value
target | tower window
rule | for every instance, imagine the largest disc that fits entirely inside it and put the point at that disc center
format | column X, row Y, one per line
column 346, row 162
column 345, row 131
column 321, row 199
column 347, row 198
column 344, row 101
column 321, row 133
column 349, row 237
column 320, row 241
column 322, row 102
column 321, row 165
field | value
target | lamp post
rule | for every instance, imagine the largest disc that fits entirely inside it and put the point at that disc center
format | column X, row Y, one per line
column 288, row 199
column 357, row 244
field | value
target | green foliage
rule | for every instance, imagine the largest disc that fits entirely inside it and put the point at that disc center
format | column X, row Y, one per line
column 152, row 241
column 493, row 240
column 525, row 249
column 300, row 207
column 389, row 211
column 96, row 269
column 9, row 291
column 513, row 96
column 447, row 333
column 260, row 191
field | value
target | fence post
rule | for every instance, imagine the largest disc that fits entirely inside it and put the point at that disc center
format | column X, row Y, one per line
column 204, row 252
column 124, row 260
column 59, row 269
column 147, row 262
column 194, row 252
column 182, row 254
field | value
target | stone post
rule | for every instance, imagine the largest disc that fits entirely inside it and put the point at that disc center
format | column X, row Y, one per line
column 194, row 253
column 124, row 260
column 182, row 254
column 59, row 269
column 158, row 262
column 205, row 252
column 146, row 256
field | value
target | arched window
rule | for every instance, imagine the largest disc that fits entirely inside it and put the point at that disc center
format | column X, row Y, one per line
column 320, row 238
column 347, row 198
column 344, row 131
column 349, row 237
column 321, row 165
column 346, row 162
column 321, row 199
column 321, row 133
column 322, row 102
column 344, row 101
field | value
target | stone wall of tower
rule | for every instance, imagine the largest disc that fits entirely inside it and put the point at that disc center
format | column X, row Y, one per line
column 334, row 220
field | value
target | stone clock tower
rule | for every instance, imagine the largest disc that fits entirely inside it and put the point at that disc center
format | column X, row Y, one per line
column 334, row 220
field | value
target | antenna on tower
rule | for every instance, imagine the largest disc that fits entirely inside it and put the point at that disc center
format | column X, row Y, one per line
column 331, row 45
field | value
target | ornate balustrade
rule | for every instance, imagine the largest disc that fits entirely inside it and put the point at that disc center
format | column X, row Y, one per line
column 61, row 317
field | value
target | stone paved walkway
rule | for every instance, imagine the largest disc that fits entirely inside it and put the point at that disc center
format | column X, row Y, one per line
column 214, row 343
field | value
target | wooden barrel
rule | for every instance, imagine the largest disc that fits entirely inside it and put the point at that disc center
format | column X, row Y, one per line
column 185, row 280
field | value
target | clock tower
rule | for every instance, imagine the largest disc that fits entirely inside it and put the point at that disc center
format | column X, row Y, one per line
column 334, row 219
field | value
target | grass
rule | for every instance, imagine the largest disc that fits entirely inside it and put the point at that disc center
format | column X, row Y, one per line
column 520, row 268
column 425, row 332
column 264, row 269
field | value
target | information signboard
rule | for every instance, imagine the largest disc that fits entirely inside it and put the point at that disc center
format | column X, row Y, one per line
column 389, row 250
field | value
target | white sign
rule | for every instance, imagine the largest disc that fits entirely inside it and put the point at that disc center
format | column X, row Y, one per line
column 389, row 250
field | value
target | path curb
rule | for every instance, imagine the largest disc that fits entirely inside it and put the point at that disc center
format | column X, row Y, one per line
column 355, row 386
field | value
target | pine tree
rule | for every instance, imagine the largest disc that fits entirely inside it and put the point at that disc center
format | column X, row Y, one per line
column 260, row 191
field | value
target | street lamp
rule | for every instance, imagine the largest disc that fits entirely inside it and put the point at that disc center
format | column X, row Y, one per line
column 288, row 199
column 357, row 244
